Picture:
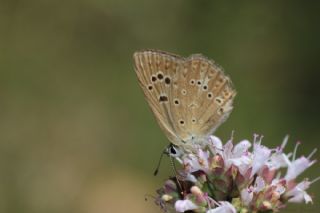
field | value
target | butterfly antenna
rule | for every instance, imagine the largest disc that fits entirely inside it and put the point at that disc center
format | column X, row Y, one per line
column 156, row 171
column 174, row 168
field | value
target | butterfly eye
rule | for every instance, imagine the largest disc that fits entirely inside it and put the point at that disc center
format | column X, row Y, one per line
column 176, row 101
column 150, row 87
column 181, row 122
column 199, row 82
column 173, row 150
column 210, row 95
column 184, row 92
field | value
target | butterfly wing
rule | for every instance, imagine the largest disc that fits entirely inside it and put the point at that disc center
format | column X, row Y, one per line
column 155, row 71
column 208, row 98
column 189, row 97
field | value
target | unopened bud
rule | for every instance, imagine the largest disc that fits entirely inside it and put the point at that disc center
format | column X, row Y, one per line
column 217, row 162
column 200, row 198
column 266, row 205
column 166, row 197
column 275, row 196
column 196, row 190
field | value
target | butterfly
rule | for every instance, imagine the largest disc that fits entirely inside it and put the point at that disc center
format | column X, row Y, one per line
column 190, row 97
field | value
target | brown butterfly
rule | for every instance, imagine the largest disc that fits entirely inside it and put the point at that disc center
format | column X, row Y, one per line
column 190, row 97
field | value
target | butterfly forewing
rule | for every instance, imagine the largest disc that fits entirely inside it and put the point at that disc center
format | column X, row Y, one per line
column 190, row 97
column 155, row 73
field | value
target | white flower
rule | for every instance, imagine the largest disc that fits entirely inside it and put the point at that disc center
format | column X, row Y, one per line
column 298, row 193
column 191, row 178
column 237, row 155
column 184, row 205
column 246, row 196
column 242, row 163
column 225, row 207
column 259, row 185
column 216, row 145
column 277, row 160
column 297, row 166
column 280, row 189
column 191, row 163
column 194, row 163
column 261, row 155
column 227, row 150
column 203, row 159
column 241, row 149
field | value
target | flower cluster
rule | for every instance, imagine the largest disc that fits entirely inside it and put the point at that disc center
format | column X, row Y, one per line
column 236, row 178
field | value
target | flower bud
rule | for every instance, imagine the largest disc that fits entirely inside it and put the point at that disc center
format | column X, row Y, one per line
column 199, row 196
column 166, row 197
column 266, row 205
column 170, row 186
column 196, row 191
column 217, row 162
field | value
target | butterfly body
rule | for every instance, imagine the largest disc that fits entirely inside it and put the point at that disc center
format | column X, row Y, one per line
column 190, row 97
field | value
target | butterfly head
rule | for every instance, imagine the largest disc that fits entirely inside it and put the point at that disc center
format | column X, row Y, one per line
column 174, row 151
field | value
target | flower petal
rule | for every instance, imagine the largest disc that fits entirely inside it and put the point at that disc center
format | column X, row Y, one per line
column 297, row 167
column 260, row 156
column 184, row 205
column 216, row 145
column 298, row 193
column 259, row 184
column 241, row 148
column 278, row 160
column 225, row 207
column 246, row 196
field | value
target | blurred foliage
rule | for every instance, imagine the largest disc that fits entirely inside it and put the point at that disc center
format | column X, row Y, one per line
column 75, row 132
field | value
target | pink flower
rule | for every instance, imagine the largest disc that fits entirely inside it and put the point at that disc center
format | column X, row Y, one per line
column 233, row 178
column 297, row 166
column 298, row 193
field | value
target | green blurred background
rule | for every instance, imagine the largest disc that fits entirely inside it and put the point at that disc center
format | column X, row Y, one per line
column 76, row 134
